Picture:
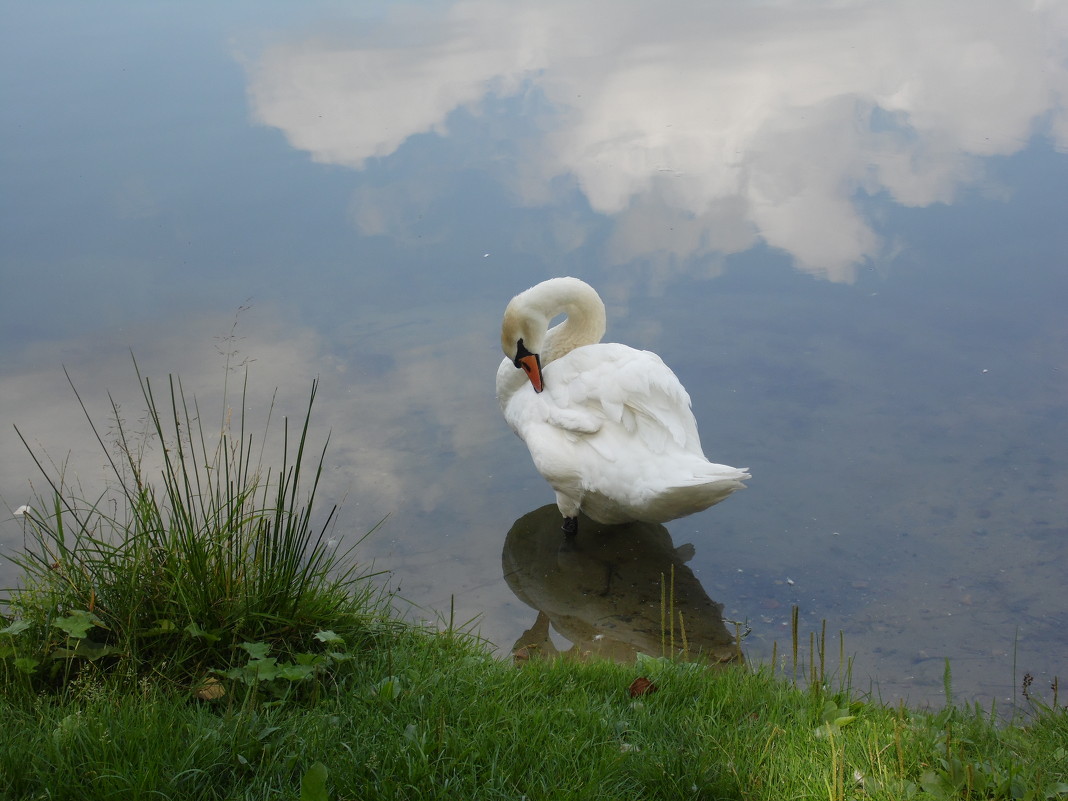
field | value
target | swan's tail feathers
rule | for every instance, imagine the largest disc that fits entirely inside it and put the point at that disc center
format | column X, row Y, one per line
column 726, row 471
column 711, row 474
column 704, row 490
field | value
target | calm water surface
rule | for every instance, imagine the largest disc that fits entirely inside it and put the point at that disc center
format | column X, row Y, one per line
column 842, row 226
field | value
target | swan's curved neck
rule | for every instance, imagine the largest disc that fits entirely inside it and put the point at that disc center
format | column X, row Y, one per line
column 583, row 326
column 585, row 322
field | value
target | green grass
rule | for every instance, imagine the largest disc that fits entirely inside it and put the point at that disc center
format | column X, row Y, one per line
column 431, row 716
column 169, row 573
column 317, row 694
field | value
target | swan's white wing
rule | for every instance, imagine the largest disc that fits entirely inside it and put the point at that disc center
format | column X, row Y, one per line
column 632, row 389
column 620, row 401
column 526, row 411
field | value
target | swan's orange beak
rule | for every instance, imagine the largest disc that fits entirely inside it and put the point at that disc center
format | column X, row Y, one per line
column 533, row 369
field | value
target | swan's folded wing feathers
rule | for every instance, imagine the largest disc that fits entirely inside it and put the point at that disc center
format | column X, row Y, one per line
column 637, row 390
column 575, row 421
column 526, row 412
column 632, row 388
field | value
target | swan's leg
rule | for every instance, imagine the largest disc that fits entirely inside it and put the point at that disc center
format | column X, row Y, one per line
column 569, row 508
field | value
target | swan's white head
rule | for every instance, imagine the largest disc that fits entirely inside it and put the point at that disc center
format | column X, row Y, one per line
column 525, row 335
column 522, row 337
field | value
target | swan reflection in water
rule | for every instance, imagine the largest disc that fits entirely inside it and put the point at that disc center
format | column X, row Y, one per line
column 604, row 590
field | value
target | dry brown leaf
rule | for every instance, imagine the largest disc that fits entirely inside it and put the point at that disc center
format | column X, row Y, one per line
column 642, row 686
column 210, row 689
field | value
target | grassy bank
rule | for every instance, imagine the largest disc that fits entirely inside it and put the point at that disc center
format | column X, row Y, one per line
column 431, row 716
column 191, row 635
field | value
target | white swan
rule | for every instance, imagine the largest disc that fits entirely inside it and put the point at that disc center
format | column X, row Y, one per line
column 609, row 427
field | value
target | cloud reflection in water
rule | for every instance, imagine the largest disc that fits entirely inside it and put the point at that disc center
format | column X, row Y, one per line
column 701, row 127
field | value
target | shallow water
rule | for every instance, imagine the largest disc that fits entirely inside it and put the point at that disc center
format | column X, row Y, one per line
column 843, row 228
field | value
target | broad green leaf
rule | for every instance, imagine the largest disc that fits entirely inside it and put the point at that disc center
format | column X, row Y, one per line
column 263, row 669
column 78, row 623
column 26, row 665
column 295, row 672
column 163, row 627
column 825, row 731
column 389, row 688
column 313, row 783
column 256, row 650
column 85, row 649
column 647, row 661
column 16, row 627
column 193, row 630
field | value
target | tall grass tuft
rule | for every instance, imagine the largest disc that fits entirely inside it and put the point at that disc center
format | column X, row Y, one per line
column 175, row 566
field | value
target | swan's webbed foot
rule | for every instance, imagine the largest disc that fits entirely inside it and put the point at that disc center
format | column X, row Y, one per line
column 570, row 526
